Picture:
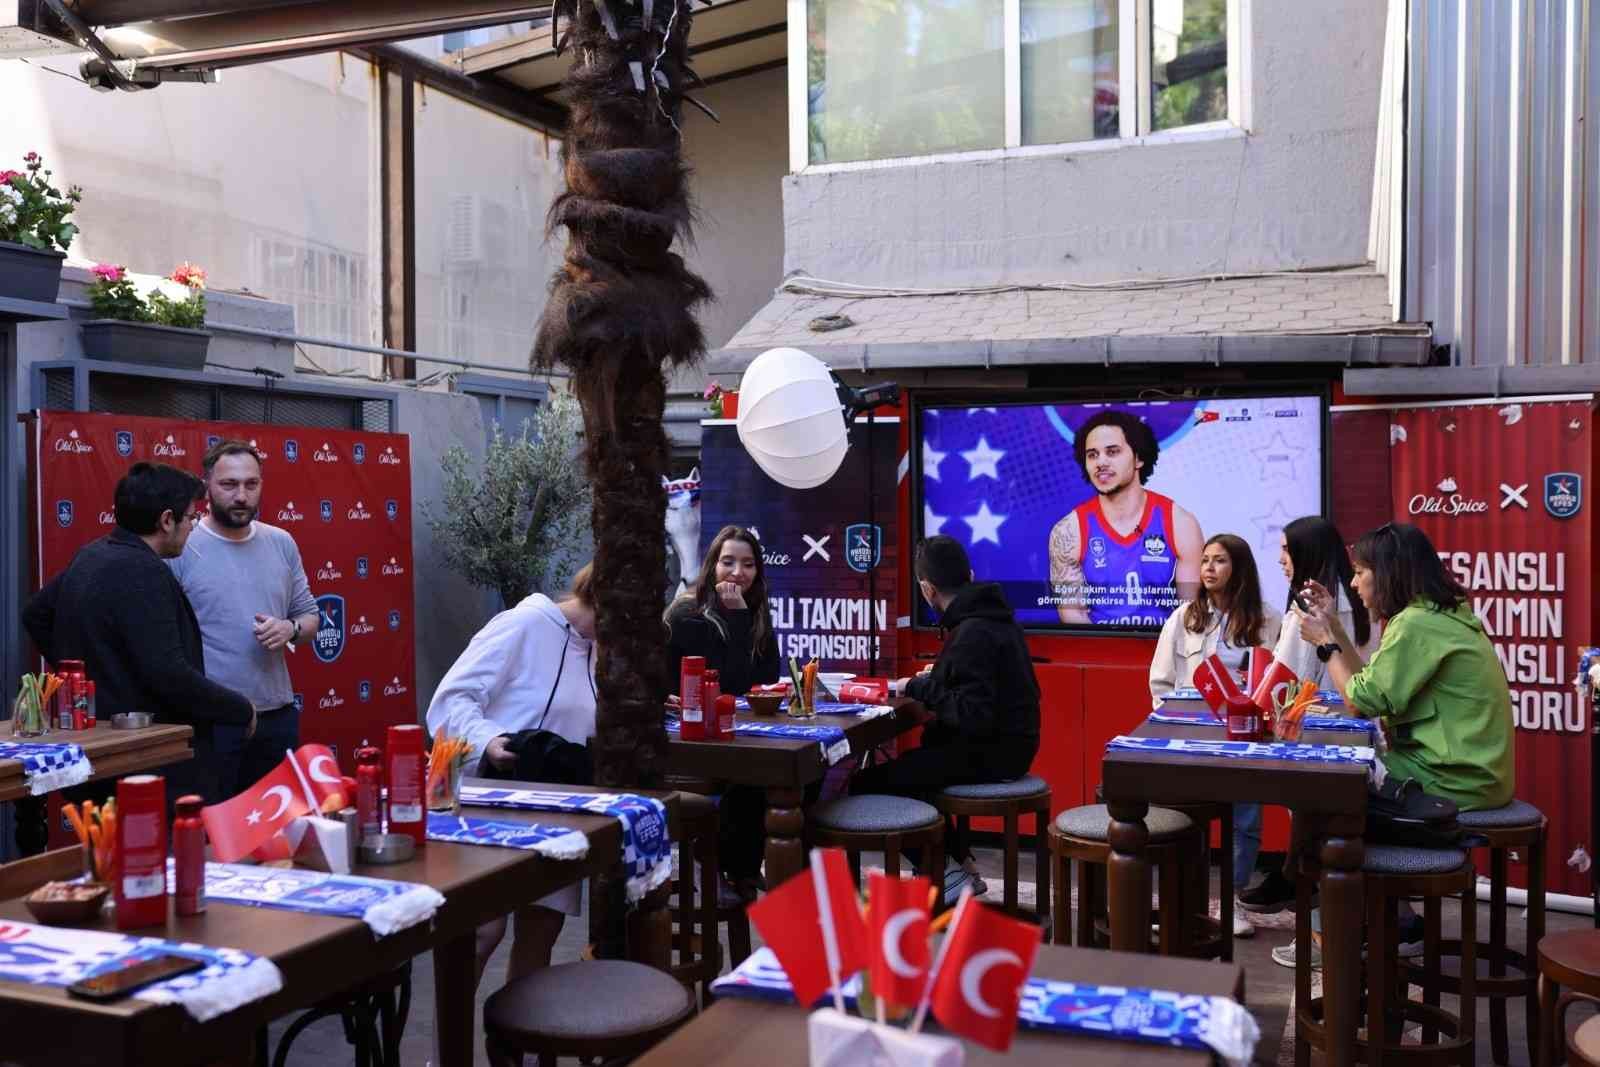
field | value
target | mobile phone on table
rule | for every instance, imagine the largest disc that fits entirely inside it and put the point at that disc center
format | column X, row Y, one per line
column 114, row 985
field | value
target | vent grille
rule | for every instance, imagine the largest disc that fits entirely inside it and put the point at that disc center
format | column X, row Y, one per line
column 59, row 392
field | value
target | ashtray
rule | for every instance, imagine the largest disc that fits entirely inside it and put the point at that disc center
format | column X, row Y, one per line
column 132, row 720
column 387, row 848
column 765, row 703
column 66, row 902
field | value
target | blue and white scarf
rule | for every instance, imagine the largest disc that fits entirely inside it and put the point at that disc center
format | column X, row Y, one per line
column 1324, row 696
column 828, row 707
column 552, row 842
column 761, row 977
column 1215, row 1025
column 1278, row 750
column 646, row 844
column 1309, row 722
column 46, row 766
column 385, row 906
column 59, row 956
column 835, row 746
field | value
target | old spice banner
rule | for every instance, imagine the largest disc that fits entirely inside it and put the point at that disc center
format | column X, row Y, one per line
column 1503, row 490
column 344, row 496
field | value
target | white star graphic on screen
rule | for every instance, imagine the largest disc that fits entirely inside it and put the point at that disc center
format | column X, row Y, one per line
column 985, row 524
column 931, row 460
column 983, row 461
column 1271, row 525
column 1277, row 458
column 931, row 523
column 253, row 818
column 981, row 411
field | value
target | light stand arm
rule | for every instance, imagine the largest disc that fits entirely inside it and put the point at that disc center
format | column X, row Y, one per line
column 855, row 402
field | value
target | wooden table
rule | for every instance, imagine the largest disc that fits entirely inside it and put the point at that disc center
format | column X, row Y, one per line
column 318, row 955
column 783, row 767
column 1329, row 802
column 739, row 1032
column 112, row 753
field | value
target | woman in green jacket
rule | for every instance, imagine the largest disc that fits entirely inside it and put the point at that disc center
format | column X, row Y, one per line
column 1435, row 683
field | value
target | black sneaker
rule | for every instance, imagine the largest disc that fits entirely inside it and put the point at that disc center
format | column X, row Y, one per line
column 1274, row 894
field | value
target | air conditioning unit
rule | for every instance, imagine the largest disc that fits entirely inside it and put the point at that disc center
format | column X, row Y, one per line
column 465, row 244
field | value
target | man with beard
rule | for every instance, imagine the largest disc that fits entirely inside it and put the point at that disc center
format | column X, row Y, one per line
column 251, row 596
column 1127, row 556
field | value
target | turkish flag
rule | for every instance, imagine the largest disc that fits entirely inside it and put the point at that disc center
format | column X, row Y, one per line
column 790, row 921
column 332, row 790
column 980, row 979
column 1260, row 661
column 1215, row 682
column 897, row 916
column 1274, row 688
column 239, row 826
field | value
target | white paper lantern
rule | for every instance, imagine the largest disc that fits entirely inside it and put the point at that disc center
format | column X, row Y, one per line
column 790, row 420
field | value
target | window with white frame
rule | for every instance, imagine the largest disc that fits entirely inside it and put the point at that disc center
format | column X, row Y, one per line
column 896, row 78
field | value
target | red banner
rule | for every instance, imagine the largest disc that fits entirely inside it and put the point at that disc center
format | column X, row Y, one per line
column 1500, row 489
column 344, row 496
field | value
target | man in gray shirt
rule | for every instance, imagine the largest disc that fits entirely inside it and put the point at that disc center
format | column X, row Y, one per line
column 250, row 593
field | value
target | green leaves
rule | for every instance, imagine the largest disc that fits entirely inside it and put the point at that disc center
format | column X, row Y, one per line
column 33, row 211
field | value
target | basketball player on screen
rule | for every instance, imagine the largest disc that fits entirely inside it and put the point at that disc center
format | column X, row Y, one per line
column 1126, row 556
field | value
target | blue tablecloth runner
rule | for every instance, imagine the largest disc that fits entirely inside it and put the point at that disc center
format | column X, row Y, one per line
column 835, row 746
column 60, row 956
column 1309, row 722
column 385, row 906
column 1275, row 750
column 554, row 842
column 646, row 845
column 1324, row 696
column 47, row 766
column 825, row 707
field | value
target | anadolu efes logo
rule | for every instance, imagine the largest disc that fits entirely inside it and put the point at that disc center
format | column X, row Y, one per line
column 364, row 691
column 393, row 568
column 394, row 620
column 288, row 513
column 329, row 573
column 1447, row 502
column 169, row 448
column 329, row 641
column 358, row 452
column 330, row 700
column 325, row 454
column 395, row 688
column 359, row 512
column 327, row 510
column 363, row 568
column 291, row 450
column 1563, row 494
column 387, row 458
column 72, row 443
column 64, row 513
column 361, row 627
column 391, row 508
column 124, row 442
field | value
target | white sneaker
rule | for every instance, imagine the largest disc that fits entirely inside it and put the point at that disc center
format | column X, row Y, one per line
column 1241, row 926
column 1284, row 956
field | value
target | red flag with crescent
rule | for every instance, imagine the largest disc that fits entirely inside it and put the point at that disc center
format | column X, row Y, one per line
column 980, row 979
column 790, row 919
column 1216, row 683
column 897, row 919
column 239, row 826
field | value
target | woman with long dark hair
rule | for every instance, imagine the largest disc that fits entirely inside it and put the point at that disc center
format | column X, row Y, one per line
column 724, row 618
column 1311, row 550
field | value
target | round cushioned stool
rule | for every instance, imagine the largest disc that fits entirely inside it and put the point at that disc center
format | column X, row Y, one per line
column 1519, row 826
column 1008, row 801
column 1081, row 834
column 696, row 915
column 1570, row 961
column 602, row 1008
column 881, row 823
column 1395, row 873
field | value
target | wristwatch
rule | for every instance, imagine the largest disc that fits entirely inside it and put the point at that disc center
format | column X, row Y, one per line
column 1325, row 652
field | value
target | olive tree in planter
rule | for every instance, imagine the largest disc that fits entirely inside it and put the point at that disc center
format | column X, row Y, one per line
column 155, row 328
column 34, row 231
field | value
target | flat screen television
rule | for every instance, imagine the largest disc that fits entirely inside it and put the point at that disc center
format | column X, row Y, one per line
column 1092, row 516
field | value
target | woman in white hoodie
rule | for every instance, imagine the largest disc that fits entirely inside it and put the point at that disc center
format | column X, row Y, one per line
column 530, row 668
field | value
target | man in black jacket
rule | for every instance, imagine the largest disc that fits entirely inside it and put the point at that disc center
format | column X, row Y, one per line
column 118, row 608
column 981, row 693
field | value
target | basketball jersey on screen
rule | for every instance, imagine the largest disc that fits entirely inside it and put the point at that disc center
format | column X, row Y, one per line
column 1130, row 579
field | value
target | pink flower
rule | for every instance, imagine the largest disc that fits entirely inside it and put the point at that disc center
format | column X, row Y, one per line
column 31, row 157
column 107, row 272
column 712, row 390
column 190, row 275
column 7, row 175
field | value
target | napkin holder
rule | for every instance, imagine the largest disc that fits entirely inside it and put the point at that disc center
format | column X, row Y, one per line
column 319, row 843
column 840, row 1040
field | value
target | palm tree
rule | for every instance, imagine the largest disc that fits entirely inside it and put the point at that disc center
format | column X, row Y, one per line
column 621, row 310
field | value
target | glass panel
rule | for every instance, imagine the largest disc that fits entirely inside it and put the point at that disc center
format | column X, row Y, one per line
column 1069, row 70
column 904, row 77
column 1188, row 62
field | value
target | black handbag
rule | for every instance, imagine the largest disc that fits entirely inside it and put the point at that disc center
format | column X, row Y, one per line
column 1400, row 813
column 543, row 755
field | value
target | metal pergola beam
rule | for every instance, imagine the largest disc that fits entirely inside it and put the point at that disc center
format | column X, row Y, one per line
column 397, row 135
column 516, row 105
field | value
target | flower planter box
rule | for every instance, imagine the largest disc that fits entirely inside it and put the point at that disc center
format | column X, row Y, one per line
column 29, row 274
column 145, row 342
column 730, row 405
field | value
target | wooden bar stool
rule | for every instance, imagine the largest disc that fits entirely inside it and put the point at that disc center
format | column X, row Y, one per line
column 1520, row 826
column 1008, row 801
column 1395, row 873
column 697, row 916
column 1079, row 834
column 881, row 823
column 1211, row 938
column 598, row 1008
column 1568, row 961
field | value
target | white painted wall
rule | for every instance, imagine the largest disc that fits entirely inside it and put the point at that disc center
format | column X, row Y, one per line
column 1290, row 194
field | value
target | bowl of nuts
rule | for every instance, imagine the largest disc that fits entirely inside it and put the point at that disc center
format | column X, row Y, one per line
column 66, row 902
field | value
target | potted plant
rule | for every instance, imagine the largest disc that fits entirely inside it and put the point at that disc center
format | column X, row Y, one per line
column 34, row 231
column 723, row 403
column 131, row 328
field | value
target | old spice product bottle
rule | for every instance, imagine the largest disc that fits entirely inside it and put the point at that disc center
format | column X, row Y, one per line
column 92, row 718
column 140, row 878
column 1244, row 719
column 710, row 690
column 407, row 806
column 725, row 706
column 369, row 790
column 189, row 856
column 691, row 674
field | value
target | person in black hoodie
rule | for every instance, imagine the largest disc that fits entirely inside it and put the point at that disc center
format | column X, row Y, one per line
column 981, row 695
column 119, row 608
column 724, row 618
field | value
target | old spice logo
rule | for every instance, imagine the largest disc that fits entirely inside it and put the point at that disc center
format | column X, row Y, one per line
column 1452, row 505
column 108, row 518
column 72, row 443
column 170, row 447
column 394, row 689
column 329, row 573
column 393, row 568
column 361, row 626
column 1448, row 485
column 387, row 458
column 287, row 513
column 325, row 454
column 358, row 512
column 261, row 453
column 332, row 700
